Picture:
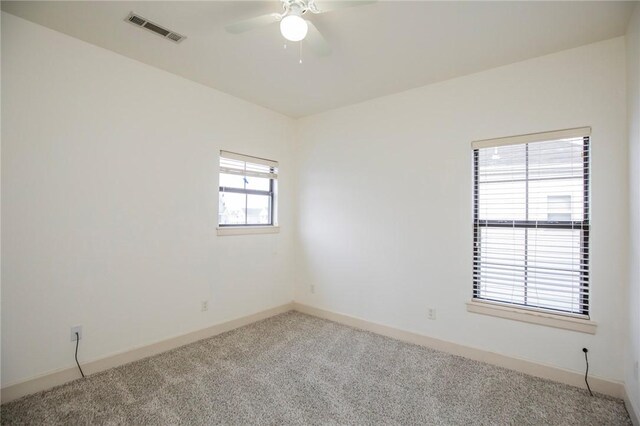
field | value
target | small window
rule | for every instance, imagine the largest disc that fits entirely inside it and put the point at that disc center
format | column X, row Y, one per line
column 248, row 188
column 558, row 207
column 531, row 222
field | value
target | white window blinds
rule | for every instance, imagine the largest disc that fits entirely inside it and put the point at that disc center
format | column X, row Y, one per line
column 244, row 165
column 531, row 221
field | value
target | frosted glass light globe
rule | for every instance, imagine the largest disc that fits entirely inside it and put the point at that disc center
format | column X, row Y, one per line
column 293, row 28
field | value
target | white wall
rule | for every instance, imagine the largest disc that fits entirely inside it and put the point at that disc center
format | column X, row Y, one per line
column 633, row 112
column 384, row 192
column 109, row 183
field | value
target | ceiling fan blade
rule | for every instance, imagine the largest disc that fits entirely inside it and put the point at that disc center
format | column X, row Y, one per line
column 331, row 5
column 250, row 24
column 316, row 41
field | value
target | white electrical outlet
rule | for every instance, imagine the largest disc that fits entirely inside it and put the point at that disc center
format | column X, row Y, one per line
column 312, row 288
column 204, row 306
column 74, row 330
column 431, row 313
column 635, row 370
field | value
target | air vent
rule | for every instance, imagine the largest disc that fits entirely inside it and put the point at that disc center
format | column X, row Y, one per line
column 136, row 20
column 175, row 37
column 139, row 21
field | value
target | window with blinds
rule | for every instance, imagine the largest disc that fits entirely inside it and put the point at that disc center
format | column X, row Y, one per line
column 531, row 221
column 248, row 186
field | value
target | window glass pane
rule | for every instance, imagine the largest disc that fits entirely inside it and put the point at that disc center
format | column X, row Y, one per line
column 556, row 199
column 242, row 177
column 558, row 207
column 231, row 208
column 503, row 163
column 556, row 159
column 258, row 183
column 502, row 257
column 258, row 209
column 502, row 201
column 232, row 181
column 553, row 280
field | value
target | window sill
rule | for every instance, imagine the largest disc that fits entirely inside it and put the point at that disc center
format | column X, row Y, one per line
column 247, row 230
column 533, row 316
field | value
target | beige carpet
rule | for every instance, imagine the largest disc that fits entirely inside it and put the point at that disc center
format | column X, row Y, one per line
column 297, row 369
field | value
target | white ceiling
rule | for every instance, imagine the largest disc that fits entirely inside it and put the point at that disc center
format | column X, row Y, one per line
column 378, row 49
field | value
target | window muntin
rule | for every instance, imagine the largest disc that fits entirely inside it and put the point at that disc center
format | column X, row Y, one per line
column 531, row 224
column 247, row 190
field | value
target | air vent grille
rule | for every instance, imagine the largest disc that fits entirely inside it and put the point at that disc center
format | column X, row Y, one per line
column 141, row 22
column 136, row 20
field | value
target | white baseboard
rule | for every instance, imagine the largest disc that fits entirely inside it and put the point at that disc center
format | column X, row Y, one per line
column 632, row 409
column 556, row 374
column 59, row 377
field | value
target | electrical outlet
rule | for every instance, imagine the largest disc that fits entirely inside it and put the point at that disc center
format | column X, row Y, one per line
column 431, row 313
column 204, row 306
column 635, row 370
column 74, row 330
column 312, row 288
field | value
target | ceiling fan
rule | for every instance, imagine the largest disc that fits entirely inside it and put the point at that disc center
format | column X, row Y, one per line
column 293, row 26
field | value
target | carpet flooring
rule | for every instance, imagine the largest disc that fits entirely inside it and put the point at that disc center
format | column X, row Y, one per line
column 298, row 369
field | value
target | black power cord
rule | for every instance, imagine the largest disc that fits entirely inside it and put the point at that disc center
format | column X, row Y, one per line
column 586, row 373
column 77, row 343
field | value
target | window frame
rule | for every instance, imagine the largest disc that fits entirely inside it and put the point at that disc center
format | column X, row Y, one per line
column 228, row 228
column 584, row 226
column 270, row 193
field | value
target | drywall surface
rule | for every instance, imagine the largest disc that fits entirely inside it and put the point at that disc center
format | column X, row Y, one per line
column 633, row 112
column 109, row 183
column 385, row 203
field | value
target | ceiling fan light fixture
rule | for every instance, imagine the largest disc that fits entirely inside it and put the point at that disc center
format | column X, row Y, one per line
column 293, row 28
